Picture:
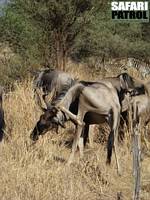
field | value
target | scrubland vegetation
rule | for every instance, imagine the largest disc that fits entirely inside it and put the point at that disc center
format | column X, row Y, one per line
column 37, row 171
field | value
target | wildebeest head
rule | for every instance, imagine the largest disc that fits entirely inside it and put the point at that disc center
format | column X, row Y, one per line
column 47, row 121
column 128, row 83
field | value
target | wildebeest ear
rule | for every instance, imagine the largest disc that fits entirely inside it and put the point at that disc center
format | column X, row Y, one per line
column 44, row 109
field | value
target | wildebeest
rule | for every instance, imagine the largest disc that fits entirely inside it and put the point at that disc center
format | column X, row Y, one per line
column 121, row 91
column 54, row 81
column 97, row 102
column 2, row 122
column 140, row 106
column 51, row 81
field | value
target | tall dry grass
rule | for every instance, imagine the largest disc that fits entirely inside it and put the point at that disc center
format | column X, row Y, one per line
column 38, row 172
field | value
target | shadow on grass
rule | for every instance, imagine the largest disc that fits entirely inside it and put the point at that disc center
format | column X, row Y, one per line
column 59, row 159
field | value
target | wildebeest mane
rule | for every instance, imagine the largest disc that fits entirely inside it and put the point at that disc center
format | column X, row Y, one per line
column 40, row 73
column 88, row 83
column 63, row 92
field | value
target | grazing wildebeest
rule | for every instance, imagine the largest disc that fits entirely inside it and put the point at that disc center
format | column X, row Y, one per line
column 116, row 83
column 51, row 81
column 2, row 122
column 55, row 81
column 140, row 106
column 97, row 102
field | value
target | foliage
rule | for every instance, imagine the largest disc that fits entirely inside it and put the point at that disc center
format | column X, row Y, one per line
column 48, row 32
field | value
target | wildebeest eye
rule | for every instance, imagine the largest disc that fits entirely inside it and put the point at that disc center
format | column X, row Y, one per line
column 58, row 122
column 54, row 110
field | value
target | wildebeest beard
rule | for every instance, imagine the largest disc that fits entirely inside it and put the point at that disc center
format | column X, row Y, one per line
column 138, row 91
column 44, row 124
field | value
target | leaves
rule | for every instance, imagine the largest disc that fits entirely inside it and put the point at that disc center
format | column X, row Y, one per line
column 47, row 29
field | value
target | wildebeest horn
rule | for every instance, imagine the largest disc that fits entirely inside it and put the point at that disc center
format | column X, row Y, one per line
column 126, row 80
column 47, row 103
column 38, row 100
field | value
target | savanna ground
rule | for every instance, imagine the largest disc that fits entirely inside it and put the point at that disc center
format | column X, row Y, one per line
column 38, row 172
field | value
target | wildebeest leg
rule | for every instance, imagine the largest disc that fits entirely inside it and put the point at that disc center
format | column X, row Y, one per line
column 145, row 136
column 91, row 135
column 88, row 132
column 81, row 146
column 1, row 134
column 113, row 120
column 75, row 144
column 71, row 115
column 123, row 121
column 85, row 132
column 77, row 141
column 116, row 143
column 84, row 136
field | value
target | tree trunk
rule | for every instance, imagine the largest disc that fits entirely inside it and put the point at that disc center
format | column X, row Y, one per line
column 57, row 55
column 60, row 51
column 64, row 59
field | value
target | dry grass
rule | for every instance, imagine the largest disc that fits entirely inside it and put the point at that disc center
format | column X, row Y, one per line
column 38, row 171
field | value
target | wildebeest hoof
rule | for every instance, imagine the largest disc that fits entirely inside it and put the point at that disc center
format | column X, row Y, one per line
column 108, row 161
column 119, row 173
column 69, row 162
